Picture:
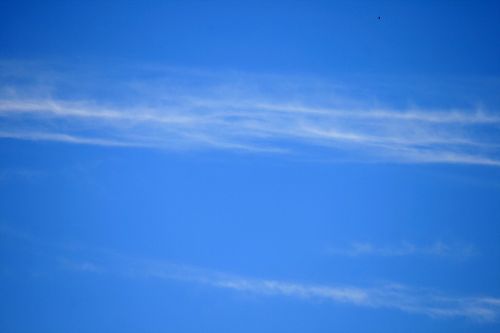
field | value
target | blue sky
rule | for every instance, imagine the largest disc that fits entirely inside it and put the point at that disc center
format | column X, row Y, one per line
column 249, row 166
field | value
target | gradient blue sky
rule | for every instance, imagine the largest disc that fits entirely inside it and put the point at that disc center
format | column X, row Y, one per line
column 182, row 166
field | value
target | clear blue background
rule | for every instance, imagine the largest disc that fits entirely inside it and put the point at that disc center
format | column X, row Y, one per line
column 256, row 215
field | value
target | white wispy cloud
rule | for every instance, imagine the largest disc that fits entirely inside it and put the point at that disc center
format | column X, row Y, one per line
column 436, row 249
column 417, row 300
column 185, row 114
column 422, row 301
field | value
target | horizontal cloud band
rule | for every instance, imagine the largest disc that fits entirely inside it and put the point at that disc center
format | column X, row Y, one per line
column 391, row 296
column 171, row 115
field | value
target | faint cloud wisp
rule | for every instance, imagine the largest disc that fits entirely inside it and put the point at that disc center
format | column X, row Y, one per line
column 436, row 249
column 185, row 111
column 423, row 301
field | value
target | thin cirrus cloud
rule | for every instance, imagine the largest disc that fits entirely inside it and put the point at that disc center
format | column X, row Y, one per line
column 436, row 249
column 414, row 300
column 421, row 301
column 186, row 110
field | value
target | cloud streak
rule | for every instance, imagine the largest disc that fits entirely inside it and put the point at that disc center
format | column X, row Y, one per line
column 436, row 249
column 170, row 115
column 414, row 300
column 421, row 301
